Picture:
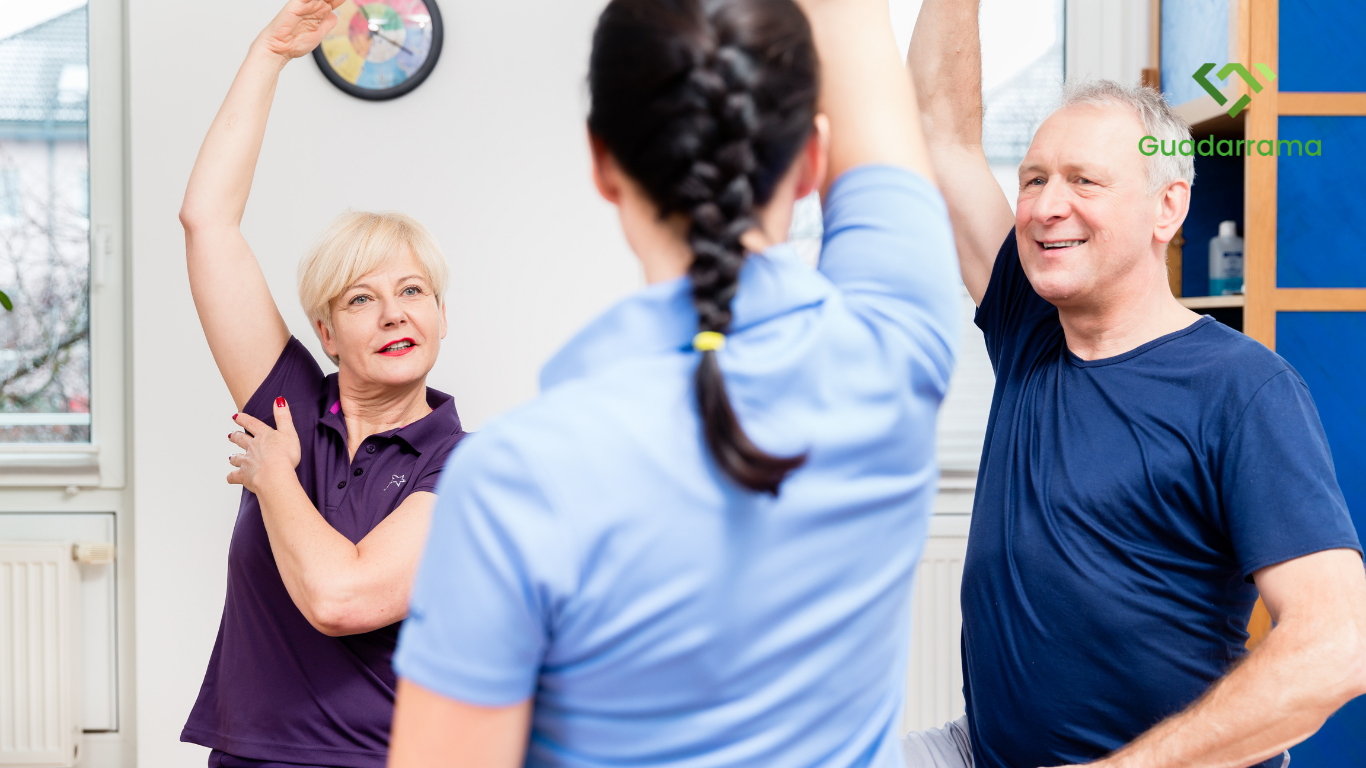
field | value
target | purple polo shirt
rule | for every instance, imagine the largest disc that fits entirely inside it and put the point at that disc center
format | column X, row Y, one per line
column 276, row 688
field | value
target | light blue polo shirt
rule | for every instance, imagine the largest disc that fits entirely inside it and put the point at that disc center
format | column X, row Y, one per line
column 587, row 552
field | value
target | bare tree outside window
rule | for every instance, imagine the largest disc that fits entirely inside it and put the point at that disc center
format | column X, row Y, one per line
column 45, row 228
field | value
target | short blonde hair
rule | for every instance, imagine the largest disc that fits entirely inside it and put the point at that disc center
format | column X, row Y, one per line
column 357, row 243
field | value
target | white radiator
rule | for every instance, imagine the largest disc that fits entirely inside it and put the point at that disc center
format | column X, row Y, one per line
column 934, row 677
column 39, row 655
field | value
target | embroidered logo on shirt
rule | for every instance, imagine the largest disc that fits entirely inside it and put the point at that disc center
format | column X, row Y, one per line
column 397, row 481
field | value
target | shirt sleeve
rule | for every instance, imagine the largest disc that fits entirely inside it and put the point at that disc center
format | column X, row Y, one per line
column 888, row 246
column 295, row 377
column 1011, row 308
column 492, row 578
column 1278, row 487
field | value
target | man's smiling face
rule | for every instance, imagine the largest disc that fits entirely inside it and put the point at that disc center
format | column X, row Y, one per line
column 1084, row 220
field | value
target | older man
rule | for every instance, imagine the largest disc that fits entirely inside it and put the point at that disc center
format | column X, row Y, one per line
column 1147, row 471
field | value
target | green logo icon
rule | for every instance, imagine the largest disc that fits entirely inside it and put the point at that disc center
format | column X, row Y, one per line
column 1230, row 68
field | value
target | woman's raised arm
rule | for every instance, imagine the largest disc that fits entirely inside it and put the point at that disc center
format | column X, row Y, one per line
column 864, row 89
column 241, row 322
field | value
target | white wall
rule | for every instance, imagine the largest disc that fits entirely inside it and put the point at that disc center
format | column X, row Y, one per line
column 489, row 153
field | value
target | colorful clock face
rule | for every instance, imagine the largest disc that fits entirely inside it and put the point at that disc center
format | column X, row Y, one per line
column 381, row 49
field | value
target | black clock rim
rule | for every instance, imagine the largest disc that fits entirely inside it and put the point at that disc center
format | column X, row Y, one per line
column 385, row 94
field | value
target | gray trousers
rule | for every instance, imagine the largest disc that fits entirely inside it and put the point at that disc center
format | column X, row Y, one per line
column 949, row 747
column 946, row 747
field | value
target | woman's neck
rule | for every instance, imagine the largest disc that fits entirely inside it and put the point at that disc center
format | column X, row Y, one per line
column 371, row 410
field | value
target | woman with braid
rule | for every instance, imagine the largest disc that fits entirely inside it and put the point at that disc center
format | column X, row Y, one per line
column 696, row 547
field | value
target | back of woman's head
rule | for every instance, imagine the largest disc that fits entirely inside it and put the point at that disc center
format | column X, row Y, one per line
column 705, row 104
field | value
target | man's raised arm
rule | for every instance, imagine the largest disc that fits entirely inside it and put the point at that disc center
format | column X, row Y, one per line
column 946, row 63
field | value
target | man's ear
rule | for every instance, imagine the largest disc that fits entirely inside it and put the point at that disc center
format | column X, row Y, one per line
column 1172, row 206
column 815, row 158
column 606, row 174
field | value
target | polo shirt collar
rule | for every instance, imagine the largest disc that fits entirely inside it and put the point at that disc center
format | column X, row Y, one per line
column 427, row 432
column 660, row 319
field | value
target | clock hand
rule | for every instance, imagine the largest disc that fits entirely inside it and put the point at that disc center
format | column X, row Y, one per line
column 361, row 10
column 393, row 43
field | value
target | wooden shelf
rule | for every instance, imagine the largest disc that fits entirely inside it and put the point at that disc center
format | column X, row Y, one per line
column 1212, row 302
column 1339, row 104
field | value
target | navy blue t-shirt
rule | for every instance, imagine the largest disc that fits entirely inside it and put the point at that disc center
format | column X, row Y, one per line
column 1122, row 506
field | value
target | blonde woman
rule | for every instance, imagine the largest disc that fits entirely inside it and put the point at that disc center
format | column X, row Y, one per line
column 338, row 471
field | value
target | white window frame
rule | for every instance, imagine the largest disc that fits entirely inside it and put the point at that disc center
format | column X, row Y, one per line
column 91, row 478
column 101, row 462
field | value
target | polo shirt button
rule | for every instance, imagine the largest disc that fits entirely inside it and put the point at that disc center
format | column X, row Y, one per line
column 341, row 485
column 358, row 472
column 370, row 448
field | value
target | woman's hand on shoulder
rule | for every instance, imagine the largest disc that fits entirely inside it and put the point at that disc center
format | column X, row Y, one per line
column 270, row 454
column 299, row 27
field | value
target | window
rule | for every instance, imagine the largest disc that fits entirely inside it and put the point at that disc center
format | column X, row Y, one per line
column 81, row 195
column 9, row 196
column 62, row 353
column 1022, row 77
column 45, row 377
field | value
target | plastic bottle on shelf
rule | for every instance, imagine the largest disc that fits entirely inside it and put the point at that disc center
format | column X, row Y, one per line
column 1226, row 261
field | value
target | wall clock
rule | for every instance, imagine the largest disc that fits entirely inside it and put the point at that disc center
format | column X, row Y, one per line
column 381, row 49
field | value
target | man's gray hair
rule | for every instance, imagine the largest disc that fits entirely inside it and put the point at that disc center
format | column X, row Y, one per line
column 1159, row 121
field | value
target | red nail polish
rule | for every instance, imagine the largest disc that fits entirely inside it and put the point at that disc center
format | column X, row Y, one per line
column 234, row 417
column 279, row 402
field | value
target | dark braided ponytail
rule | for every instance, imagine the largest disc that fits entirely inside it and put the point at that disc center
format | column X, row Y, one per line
column 705, row 103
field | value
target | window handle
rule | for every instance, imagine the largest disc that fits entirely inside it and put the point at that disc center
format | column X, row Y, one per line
column 104, row 245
